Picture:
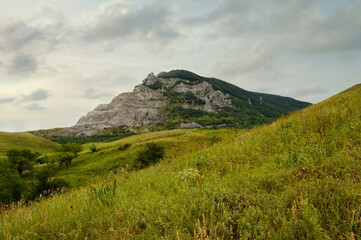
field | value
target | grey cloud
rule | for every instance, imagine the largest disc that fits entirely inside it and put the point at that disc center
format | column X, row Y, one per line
column 36, row 95
column 23, row 64
column 306, row 26
column 338, row 32
column 92, row 94
column 258, row 57
column 7, row 100
column 307, row 91
column 121, row 20
column 42, row 32
column 16, row 35
column 34, row 107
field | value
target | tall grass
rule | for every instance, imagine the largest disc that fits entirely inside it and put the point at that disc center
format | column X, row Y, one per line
column 298, row 178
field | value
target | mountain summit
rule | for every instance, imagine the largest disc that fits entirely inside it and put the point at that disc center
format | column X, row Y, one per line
column 181, row 98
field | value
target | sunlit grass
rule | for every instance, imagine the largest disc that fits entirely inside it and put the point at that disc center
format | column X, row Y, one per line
column 298, row 178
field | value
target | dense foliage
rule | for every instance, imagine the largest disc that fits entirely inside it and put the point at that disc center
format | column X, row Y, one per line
column 21, row 177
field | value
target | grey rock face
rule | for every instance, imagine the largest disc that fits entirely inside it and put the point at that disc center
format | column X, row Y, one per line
column 129, row 109
column 145, row 106
column 215, row 99
column 190, row 125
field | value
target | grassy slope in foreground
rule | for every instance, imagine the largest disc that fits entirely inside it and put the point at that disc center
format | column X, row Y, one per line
column 24, row 141
column 298, row 178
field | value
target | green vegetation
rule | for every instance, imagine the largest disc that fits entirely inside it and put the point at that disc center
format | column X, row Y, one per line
column 180, row 97
column 297, row 178
column 93, row 148
column 248, row 108
column 94, row 138
column 123, row 154
column 156, row 85
column 124, row 147
column 149, row 156
column 20, row 177
column 24, row 141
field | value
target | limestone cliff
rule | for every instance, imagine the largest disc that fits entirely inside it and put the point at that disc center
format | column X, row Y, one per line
column 147, row 103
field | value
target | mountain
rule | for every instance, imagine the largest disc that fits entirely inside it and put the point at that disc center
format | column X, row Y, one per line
column 297, row 178
column 182, row 99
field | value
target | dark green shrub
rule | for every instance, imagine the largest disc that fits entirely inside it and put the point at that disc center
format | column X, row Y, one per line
column 156, row 85
column 124, row 147
column 149, row 156
column 93, row 148
column 58, row 183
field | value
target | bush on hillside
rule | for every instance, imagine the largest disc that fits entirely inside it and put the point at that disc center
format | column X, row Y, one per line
column 93, row 148
column 149, row 156
column 124, row 147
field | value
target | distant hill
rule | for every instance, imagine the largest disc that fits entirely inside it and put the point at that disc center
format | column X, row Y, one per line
column 25, row 141
column 181, row 99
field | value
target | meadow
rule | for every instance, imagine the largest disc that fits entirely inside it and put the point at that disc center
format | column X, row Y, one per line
column 297, row 178
column 25, row 141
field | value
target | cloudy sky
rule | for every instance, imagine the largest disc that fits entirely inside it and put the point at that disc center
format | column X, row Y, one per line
column 59, row 59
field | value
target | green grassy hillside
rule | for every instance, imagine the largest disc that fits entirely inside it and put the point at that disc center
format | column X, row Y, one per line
column 87, row 166
column 298, row 178
column 24, row 141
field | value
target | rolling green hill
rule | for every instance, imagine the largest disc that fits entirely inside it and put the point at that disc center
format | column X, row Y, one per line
column 298, row 178
column 87, row 166
column 24, row 141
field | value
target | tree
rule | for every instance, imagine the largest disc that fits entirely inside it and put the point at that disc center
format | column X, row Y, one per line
column 45, row 181
column 22, row 159
column 67, row 153
column 71, row 147
column 11, row 183
column 64, row 158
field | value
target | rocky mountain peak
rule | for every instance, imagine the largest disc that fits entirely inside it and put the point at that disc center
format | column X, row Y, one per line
column 150, row 79
column 182, row 99
column 148, row 103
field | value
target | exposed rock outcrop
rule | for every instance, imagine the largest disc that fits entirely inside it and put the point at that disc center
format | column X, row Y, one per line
column 147, row 103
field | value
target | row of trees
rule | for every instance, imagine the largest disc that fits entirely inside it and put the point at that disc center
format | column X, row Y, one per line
column 27, row 174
